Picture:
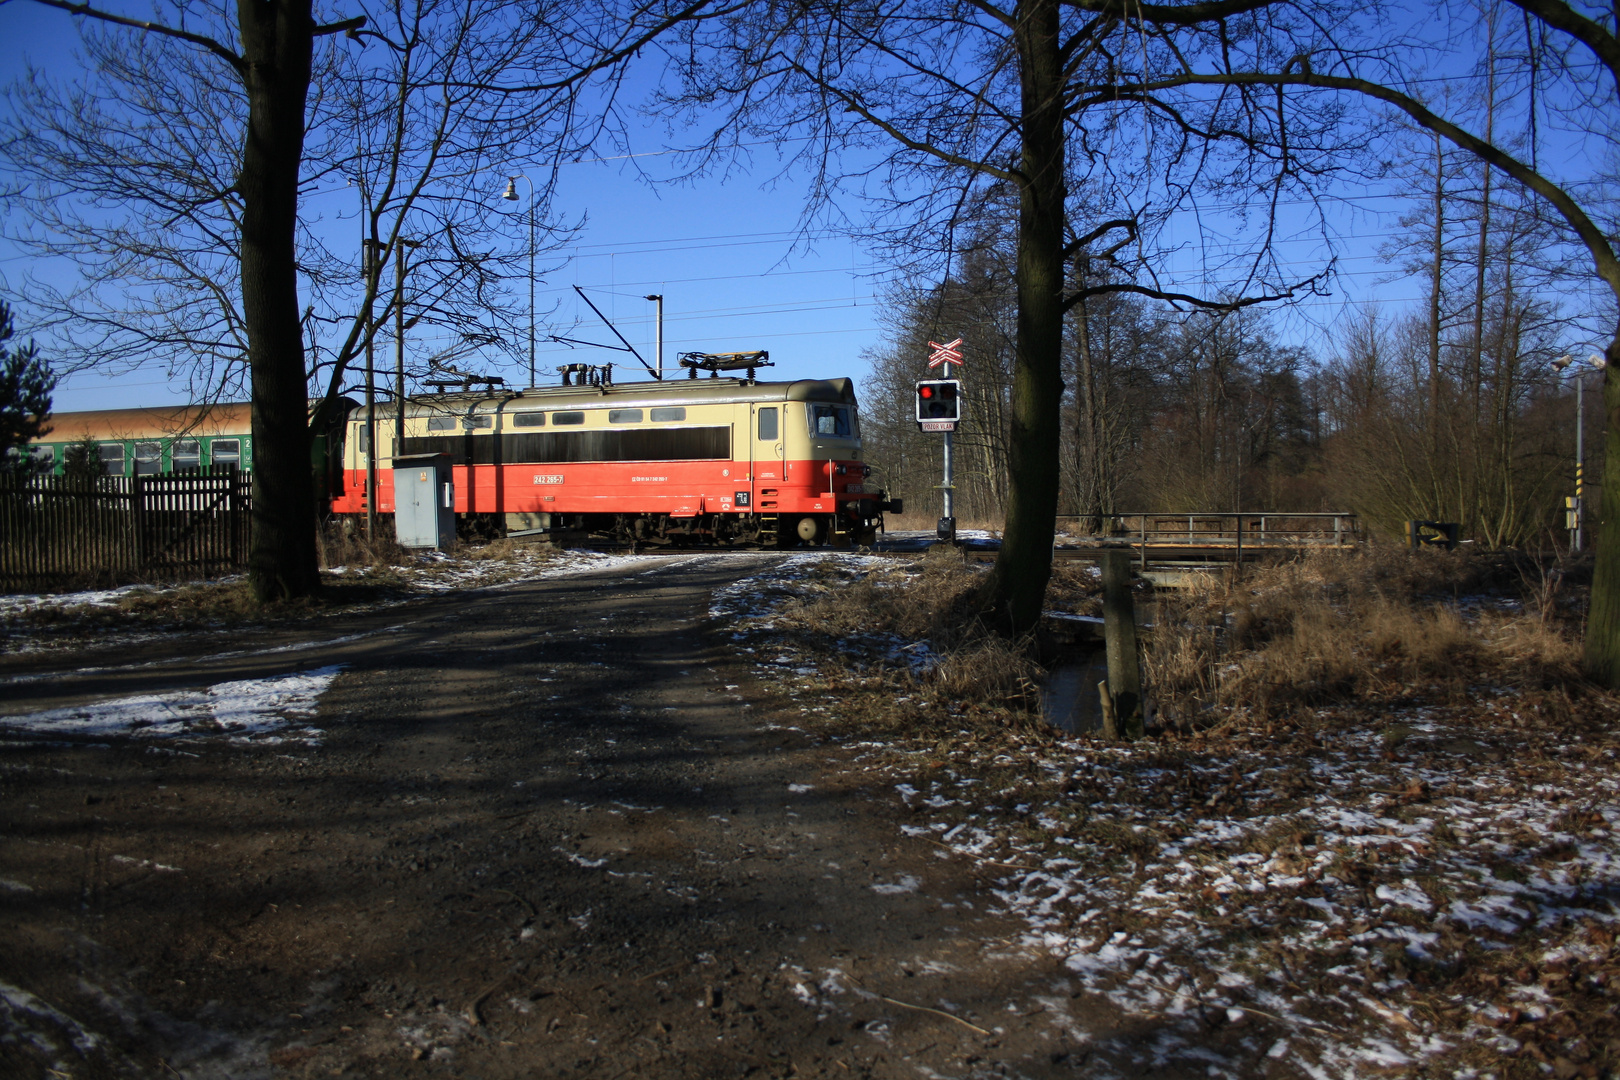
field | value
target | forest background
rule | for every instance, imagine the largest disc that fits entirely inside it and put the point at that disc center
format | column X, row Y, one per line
column 1170, row 410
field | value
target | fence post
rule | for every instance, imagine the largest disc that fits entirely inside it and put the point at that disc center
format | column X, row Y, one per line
column 137, row 520
column 1119, row 633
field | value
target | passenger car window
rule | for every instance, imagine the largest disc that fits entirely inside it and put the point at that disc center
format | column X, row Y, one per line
column 767, row 422
column 226, row 453
column 529, row 419
column 148, row 458
column 187, row 455
column 112, row 458
column 669, row 412
column 624, row 416
column 565, row 419
column 438, row 423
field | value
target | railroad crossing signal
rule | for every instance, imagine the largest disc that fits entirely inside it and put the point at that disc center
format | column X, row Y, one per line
column 939, row 404
column 946, row 354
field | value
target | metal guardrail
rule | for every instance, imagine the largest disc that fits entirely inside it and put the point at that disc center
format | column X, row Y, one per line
column 1218, row 528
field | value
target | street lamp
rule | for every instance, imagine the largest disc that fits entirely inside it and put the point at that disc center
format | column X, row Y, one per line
column 511, row 195
column 400, row 326
column 1578, row 509
column 659, row 347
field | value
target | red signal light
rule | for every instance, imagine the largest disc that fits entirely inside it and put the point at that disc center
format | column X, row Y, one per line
column 925, row 392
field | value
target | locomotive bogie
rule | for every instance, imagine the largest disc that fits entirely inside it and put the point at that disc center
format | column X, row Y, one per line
column 711, row 461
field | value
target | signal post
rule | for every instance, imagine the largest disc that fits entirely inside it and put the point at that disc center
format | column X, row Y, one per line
column 939, row 408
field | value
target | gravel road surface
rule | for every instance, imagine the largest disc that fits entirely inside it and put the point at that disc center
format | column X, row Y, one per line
column 550, row 829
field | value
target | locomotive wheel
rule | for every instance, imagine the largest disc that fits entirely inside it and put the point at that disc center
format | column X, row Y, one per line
column 810, row 529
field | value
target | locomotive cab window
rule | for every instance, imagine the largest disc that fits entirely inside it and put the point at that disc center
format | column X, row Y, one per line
column 439, row 423
column 831, row 421
column 767, row 422
column 568, row 419
column 529, row 419
column 226, row 453
column 669, row 412
column 480, row 420
column 624, row 416
column 187, row 455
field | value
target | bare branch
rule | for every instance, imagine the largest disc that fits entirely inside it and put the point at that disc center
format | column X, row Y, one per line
column 86, row 11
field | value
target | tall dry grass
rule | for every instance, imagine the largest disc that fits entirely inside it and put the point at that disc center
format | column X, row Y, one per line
column 1380, row 624
column 342, row 543
column 930, row 600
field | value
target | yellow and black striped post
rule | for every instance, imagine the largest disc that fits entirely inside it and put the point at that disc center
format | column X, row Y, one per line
column 1577, row 518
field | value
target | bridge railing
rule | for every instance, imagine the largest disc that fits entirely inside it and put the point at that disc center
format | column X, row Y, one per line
column 1217, row 529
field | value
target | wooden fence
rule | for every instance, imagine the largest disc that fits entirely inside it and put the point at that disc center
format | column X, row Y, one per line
column 59, row 533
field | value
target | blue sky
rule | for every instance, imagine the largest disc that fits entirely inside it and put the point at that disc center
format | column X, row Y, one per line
column 729, row 259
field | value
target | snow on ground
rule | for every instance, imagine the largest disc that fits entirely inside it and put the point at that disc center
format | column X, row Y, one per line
column 430, row 571
column 249, row 711
column 437, row 572
column 1308, row 889
column 22, row 603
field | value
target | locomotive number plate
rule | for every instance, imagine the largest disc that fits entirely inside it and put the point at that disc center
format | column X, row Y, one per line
column 547, row 478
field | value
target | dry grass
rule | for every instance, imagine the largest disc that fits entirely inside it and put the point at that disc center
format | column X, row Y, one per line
column 931, row 601
column 1416, row 686
column 1381, row 625
column 925, row 599
column 341, row 543
column 494, row 551
column 1075, row 588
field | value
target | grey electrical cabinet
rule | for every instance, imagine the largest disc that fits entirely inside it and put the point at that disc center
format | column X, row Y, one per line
column 424, row 502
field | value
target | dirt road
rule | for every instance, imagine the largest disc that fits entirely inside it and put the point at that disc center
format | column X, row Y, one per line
column 552, row 829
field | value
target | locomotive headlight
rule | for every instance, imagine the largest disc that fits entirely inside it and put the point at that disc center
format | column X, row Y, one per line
column 866, row 470
column 842, row 469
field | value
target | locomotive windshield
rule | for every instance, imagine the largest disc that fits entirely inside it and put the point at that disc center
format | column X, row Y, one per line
column 832, row 421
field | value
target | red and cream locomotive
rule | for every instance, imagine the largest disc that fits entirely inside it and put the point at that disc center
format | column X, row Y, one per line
column 716, row 460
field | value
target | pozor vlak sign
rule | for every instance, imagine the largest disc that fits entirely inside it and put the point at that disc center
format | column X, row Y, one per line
column 939, row 401
column 939, row 404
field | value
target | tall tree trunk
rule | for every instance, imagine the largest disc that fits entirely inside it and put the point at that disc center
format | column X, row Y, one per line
column 277, row 45
column 1476, row 421
column 1014, row 591
column 1603, row 619
column 1088, row 426
column 1436, row 283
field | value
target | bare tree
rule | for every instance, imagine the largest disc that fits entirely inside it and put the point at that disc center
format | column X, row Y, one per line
column 185, row 169
column 961, row 98
column 1553, row 88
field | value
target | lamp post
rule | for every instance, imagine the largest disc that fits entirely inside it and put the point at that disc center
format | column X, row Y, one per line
column 372, row 251
column 658, row 347
column 1578, row 509
column 511, row 195
column 399, row 344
